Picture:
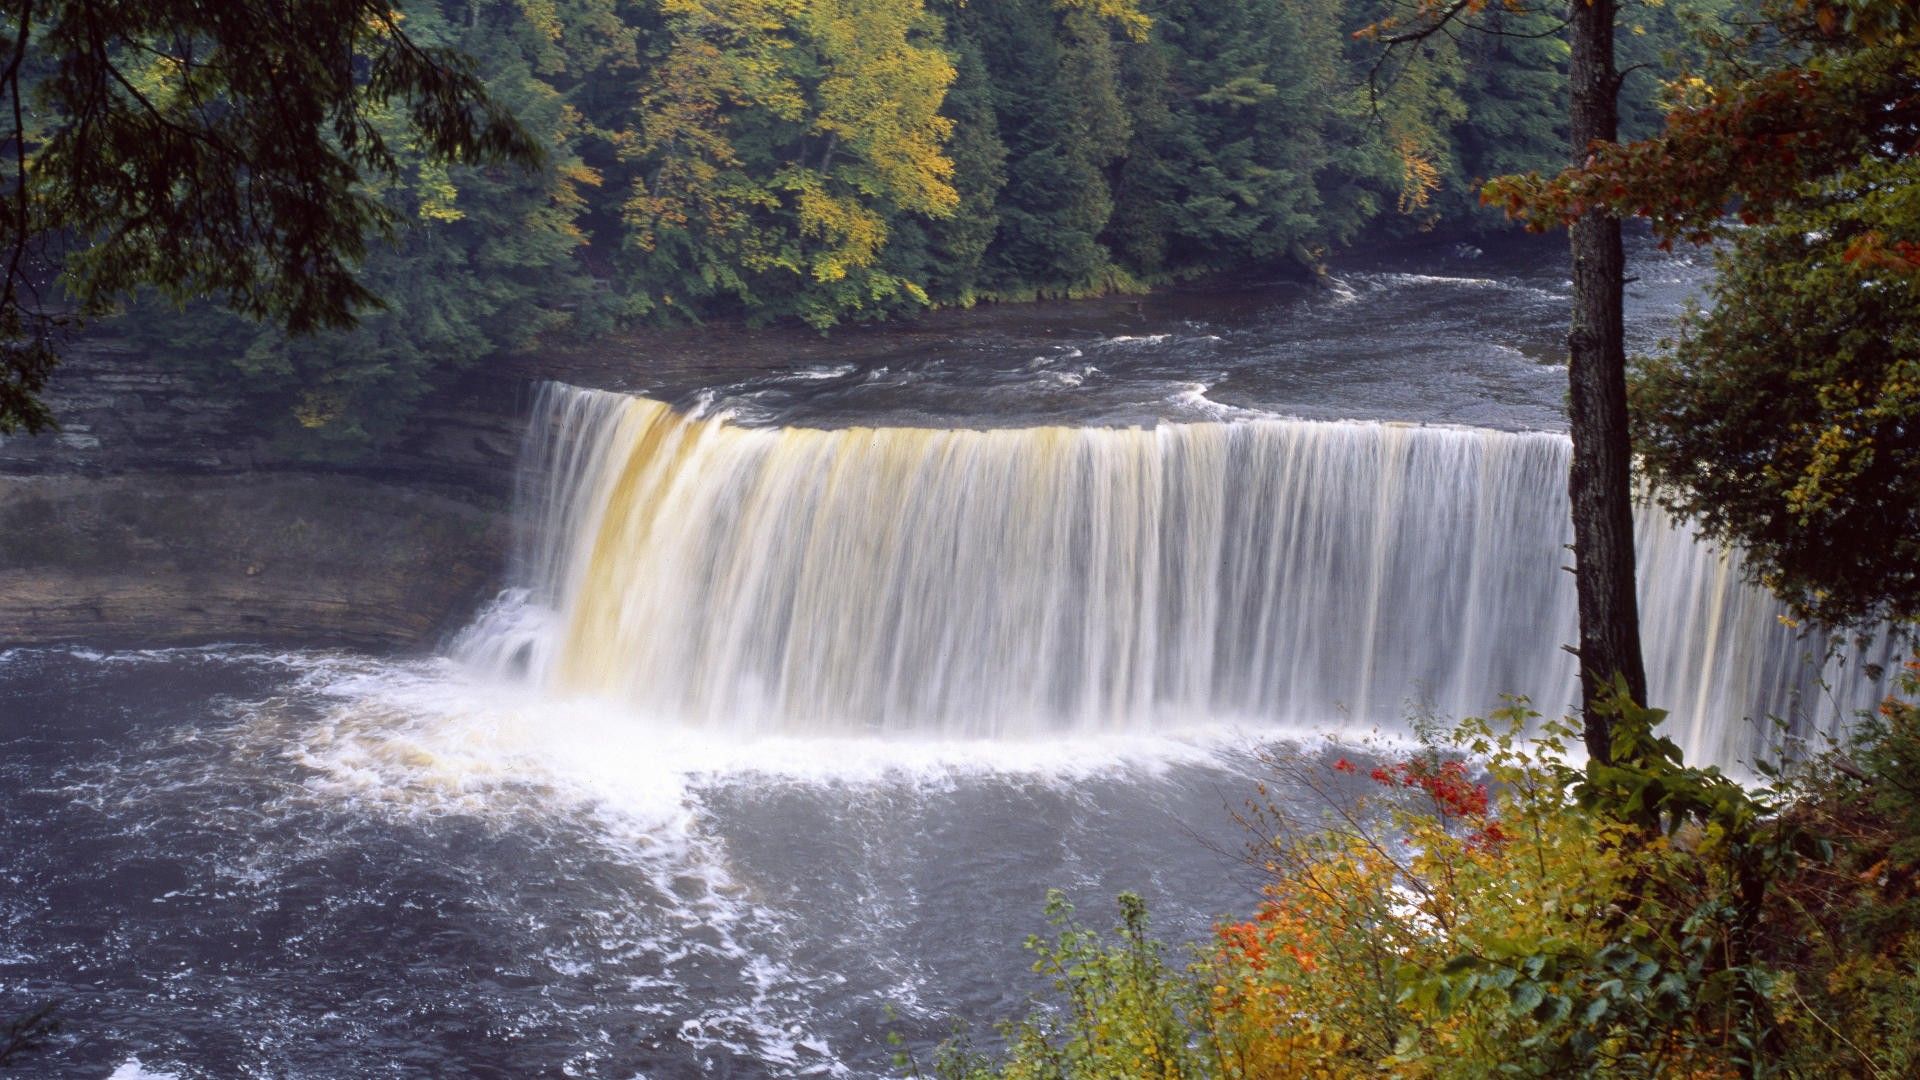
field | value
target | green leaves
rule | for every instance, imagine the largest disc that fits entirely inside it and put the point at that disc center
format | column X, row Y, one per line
column 478, row 258
column 1787, row 420
column 1123, row 1008
column 214, row 150
column 1526, row 997
column 456, row 179
column 778, row 145
column 1582, row 945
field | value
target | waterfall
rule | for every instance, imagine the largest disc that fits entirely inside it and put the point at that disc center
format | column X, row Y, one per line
column 970, row 583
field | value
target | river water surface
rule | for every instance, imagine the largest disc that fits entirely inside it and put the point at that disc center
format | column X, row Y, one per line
column 591, row 855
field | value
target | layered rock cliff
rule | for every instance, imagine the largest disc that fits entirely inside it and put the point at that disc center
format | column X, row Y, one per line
column 153, row 517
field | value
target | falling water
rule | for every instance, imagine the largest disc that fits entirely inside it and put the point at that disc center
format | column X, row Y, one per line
column 964, row 583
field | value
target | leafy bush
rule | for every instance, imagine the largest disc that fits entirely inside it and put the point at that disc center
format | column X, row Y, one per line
column 1485, row 907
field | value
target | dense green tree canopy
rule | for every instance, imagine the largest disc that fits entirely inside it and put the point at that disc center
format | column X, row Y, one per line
column 483, row 259
column 210, row 150
column 831, row 160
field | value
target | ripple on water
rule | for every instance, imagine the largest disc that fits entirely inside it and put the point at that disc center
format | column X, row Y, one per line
column 319, row 865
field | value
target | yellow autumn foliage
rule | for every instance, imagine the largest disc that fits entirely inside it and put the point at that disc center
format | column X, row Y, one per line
column 1452, row 914
column 844, row 95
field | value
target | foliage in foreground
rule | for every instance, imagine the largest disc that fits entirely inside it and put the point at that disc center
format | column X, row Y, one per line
column 1644, row 918
column 210, row 150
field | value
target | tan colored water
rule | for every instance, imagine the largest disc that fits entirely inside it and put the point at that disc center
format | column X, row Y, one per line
column 1030, row 581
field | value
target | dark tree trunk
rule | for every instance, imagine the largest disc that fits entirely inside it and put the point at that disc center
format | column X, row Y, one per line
column 1600, row 484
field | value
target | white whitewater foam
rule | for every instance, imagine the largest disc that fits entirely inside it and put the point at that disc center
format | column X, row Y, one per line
column 1439, row 279
column 1342, row 291
column 423, row 741
column 819, row 372
column 1067, row 380
column 1061, row 354
column 132, row 1069
column 473, row 742
column 418, row 742
column 1386, row 282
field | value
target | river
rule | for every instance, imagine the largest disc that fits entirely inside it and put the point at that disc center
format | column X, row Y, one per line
column 816, row 669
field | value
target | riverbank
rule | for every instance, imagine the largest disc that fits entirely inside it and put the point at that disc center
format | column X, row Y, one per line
column 155, row 517
column 281, row 558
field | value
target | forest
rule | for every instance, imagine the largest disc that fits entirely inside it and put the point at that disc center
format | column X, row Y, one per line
column 828, row 161
column 761, row 705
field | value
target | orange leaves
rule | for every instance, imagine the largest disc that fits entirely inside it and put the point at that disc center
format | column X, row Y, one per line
column 1760, row 141
column 1277, row 932
column 1878, row 22
column 1446, row 783
column 1874, row 251
column 1344, row 911
column 1422, row 941
column 1420, row 176
column 1427, row 17
column 1454, row 796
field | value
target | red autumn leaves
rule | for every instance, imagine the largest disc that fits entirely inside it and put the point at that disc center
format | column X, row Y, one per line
column 1454, row 794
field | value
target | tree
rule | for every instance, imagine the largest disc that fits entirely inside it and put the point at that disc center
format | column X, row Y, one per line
column 1239, row 110
column 954, row 247
column 1061, row 132
column 813, row 160
column 1600, row 481
column 1514, row 89
column 777, row 141
column 1787, row 418
column 482, row 261
column 210, row 150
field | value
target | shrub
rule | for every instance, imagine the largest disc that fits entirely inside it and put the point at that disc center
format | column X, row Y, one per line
column 1483, row 907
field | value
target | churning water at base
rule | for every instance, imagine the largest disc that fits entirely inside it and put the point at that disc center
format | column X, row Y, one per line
column 311, row 866
column 955, row 583
column 781, row 734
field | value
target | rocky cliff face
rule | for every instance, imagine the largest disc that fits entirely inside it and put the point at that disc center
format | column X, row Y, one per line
column 153, row 559
column 153, row 518
column 122, row 412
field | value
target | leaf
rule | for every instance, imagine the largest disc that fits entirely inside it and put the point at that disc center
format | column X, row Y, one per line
column 1526, row 997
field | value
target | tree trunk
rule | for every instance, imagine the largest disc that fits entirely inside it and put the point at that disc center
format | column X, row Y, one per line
column 1600, row 484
